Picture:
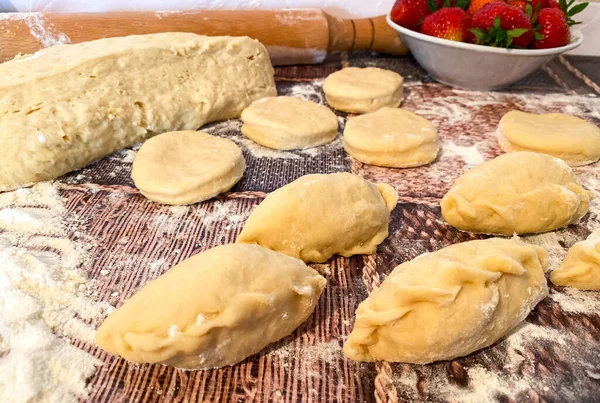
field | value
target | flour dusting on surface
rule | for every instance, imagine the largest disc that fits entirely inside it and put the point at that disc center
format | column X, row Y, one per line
column 43, row 300
column 470, row 155
column 572, row 300
column 38, row 28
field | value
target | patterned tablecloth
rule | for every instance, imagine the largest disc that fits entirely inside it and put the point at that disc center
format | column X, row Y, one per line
column 554, row 356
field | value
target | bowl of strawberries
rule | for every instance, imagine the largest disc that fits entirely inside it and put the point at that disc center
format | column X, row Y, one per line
column 485, row 44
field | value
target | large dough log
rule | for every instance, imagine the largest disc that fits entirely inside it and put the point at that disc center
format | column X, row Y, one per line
column 66, row 106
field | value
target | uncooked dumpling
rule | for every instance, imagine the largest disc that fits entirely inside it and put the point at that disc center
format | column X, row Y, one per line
column 391, row 137
column 69, row 105
column 214, row 309
column 318, row 216
column 521, row 192
column 363, row 90
column 567, row 137
column 186, row 167
column 581, row 267
column 288, row 123
column 449, row 303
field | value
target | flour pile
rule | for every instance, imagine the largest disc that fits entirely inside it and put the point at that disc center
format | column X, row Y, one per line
column 43, row 302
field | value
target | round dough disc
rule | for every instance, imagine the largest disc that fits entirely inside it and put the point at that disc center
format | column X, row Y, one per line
column 363, row 90
column 288, row 123
column 567, row 137
column 186, row 167
column 391, row 137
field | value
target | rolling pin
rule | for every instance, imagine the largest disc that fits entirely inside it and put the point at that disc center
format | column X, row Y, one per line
column 292, row 36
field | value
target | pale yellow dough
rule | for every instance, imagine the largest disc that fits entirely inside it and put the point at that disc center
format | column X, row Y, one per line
column 567, row 137
column 288, row 123
column 581, row 267
column 213, row 309
column 69, row 105
column 449, row 303
column 186, row 167
column 363, row 90
column 520, row 192
column 391, row 137
column 318, row 216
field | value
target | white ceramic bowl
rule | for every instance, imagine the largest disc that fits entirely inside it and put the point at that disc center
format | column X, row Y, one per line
column 476, row 67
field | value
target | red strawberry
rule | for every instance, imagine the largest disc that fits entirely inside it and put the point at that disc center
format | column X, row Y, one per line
column 522, row 4
column 500, row 24
column 552, row 30
column 550, row 4
column 568, row 9
column 476, row 5
column 447, row 23
column 410, row 13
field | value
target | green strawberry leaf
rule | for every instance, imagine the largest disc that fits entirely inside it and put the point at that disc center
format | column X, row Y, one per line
column 432, row 5
column 497, row 22
column 479, row 34
column 563, row 5
column 577, row 9
column 516, row 32
column 529, row 10
column 536, row 13
column 447, row 3
column 464, row 4
column 538, row 36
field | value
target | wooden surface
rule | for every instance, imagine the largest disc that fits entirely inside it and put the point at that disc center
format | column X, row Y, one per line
column 136, row 240
column 292, row 36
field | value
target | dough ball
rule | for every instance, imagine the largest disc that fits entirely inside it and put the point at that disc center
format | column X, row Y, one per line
column 520, row 192
column 318, row 216
column 186, row 167
column 449, row 303
column 363, row 90
column 391, row 137
column 213, row 309
column 288, row 123
column 581, row 267
column 567, row 137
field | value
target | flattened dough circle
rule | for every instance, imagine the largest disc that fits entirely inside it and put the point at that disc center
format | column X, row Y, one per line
column 288, row 123
column 391, row 137
column 363, row 90
column 567, row 137
column 186, row 167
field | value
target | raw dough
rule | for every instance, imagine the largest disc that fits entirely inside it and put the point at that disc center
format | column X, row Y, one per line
column 288, row 123
column 567, row 137
column 391, row 137
column 449, row 303
column 318, row 216
column 520, row 192
column 581, row 267
column 187, row 167
column 69, row 105
column 363, row 90
column 214, row 309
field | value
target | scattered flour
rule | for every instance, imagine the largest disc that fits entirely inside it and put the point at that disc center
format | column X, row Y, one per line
column 156, row 265
column 223, row 212
column 470, row 155
column 572, row 300
column 43, row 302
column 179, row 211
column 310, row 91
column 485, row 384
column 38, row 28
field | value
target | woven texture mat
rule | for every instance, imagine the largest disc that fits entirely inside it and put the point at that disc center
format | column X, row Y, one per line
column 554, row 356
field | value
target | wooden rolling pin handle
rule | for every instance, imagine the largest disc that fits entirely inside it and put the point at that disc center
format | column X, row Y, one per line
column 373, row 34
column 292, row 36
